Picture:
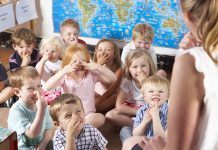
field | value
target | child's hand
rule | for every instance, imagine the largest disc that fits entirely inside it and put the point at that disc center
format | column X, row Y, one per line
column 102, row 58
column 90, row 66
column 70, row 67
column 26, row 59
column 72, row 127
column 41, row 103
column 147, row 116
column 154, row 110
column 45, row 57
column 188, row 41
column 73, row 40
column 141, row 77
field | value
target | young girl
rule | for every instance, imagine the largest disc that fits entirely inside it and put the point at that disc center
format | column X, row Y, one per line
column 107, row 53
column 51, row 48
column 79, row 76
column 193, row 109
column 138, row 66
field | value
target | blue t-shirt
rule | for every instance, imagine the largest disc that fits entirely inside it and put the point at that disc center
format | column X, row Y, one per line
column 20, row 119
column 163, row 119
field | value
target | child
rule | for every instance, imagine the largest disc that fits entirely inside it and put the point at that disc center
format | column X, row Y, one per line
column 138, row 66
column 107, row 53
column 70, row 32
column 6, row 91
column 51, row 49
column 23, row 41
column 192, row 120
column 29, row 116
column 78, row 76
column 151, row 118
column 72, row 133
column 142, row 37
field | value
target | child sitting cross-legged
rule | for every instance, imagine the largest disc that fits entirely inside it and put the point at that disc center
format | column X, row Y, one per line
column 72, row 133
column 151, row 118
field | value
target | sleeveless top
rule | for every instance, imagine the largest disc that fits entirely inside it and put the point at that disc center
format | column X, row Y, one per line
column 208, row 125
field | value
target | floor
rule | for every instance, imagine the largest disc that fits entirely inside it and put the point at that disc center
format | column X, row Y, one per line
column 112, row 135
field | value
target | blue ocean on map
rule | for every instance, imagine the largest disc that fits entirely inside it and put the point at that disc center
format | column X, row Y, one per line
column 115, row 19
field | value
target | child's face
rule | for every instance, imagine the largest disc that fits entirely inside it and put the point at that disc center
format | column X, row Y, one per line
column 77, row 59
column 139, row 67
column 24, row 49
column 28, row 92
column 69, row 111
column 105, row 49
column 155, row 94
column 70, row 35
column 52, row 52
column 142, row 44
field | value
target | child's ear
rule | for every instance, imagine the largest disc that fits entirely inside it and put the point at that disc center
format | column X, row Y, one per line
column 16, row 91
column 14, row 46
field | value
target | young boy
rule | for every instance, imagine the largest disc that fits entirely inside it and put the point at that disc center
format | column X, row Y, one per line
column 142, row 37
column 68, row 115
column 6, row 91
column 151, row 118
column 29, row 116
column 69, row 31
column 23, row 42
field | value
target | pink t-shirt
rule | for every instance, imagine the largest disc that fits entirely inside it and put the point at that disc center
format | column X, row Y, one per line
column 84, row 89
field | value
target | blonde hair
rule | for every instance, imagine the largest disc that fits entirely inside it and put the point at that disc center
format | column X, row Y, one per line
column 69, row 23
column 117, row 60
column 61, row 100
column 23, row 34
column 134, row 54
column 205, row 12
column 156, row 80
column 21, row 74
column 52, row 40
column 71, row 50
column 143, row 31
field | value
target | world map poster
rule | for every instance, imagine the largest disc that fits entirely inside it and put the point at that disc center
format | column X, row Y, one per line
column 115, row 19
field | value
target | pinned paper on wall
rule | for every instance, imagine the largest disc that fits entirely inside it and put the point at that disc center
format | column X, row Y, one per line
column 25, row 11
column 6, row 17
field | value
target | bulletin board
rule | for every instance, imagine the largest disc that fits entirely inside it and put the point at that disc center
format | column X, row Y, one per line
column 14, row 12
column 115, row 19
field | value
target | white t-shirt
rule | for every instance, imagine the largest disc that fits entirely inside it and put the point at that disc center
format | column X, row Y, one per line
column 134, row 95
column 208, row 125
column 50, row 68
column 130, row 46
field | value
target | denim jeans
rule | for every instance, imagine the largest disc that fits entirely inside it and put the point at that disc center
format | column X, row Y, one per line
column 125, row 133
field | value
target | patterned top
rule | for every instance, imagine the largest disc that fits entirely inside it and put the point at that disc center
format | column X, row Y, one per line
column 163, row 118
column 15, row 60
column 88, row 138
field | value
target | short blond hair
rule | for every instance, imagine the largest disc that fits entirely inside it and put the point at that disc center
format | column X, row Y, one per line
column 23, row 34
column 143, row 31
column 21, row 74
column 155, row 80
column 134, row 54
column 57, row 104
column 71, row 50
column 52, row 40
column 69, row 23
